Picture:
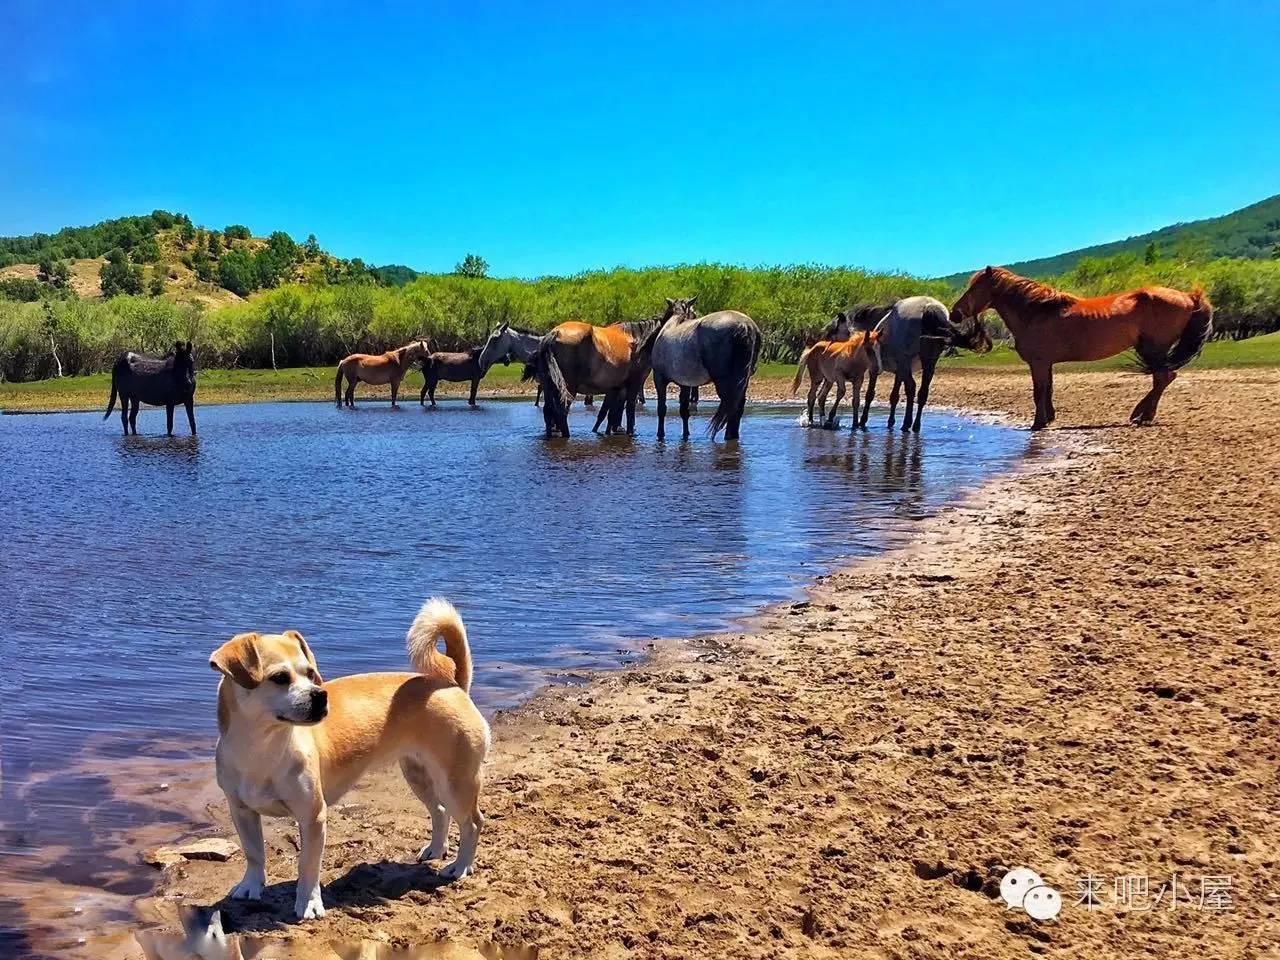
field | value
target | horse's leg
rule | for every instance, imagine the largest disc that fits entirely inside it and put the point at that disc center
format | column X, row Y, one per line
column 589, row 400
column 894, row 394
column 684, row 410
column 1145, row 412
column 124, row 414
column 926, row 378
column 909, row 380
column 422, row 397
column 605, row 410
column 629, row 405
column 660, row 391
column 1048, row 397
column 190, row 404
column 475, row 385
column 855, row 394
column 822, row 401
column 871, row 392
column 395, row 391
column 693, row 397
column 350, row 395
column 537, row 397
column 431, row 391
column 830, row 421
column 1039, row 382
column 813, row 393
column 735, row 418
column 168, row 419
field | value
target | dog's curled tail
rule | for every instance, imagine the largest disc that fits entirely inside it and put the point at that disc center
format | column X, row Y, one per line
column 437, row 619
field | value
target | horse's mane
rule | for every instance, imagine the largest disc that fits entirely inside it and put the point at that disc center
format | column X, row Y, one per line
column 1030, row 291
column 639, row 330
column 524, row 333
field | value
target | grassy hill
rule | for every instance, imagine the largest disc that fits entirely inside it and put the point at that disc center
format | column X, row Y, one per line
column 1251, row 233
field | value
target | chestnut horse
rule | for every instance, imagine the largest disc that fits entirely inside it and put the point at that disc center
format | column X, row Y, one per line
column 838, row 362
column 1165, row 328
column 578, row 357
column 389, row 367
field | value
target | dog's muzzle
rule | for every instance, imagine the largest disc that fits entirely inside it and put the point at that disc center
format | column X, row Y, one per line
column 319, row 707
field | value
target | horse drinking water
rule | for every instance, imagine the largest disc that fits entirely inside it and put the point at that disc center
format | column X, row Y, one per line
column 913, row 336
column 721, row 348
column 389, row 367
column 1166, row 328
column 160, row 381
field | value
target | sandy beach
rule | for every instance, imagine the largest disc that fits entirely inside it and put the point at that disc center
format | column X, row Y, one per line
column 1071, row 670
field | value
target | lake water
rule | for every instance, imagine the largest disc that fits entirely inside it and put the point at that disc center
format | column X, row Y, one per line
column 127, row 561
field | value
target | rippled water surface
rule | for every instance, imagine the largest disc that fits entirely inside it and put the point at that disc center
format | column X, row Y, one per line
column 126, row 561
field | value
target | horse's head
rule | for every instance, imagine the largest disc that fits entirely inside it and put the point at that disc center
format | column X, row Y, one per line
column 838, row 328
column 414, row 352
column 978, row 296
column 680, row 309
column 497, row 347
column 184, row 361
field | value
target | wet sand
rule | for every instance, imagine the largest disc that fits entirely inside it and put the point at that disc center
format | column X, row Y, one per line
column 1072, row 670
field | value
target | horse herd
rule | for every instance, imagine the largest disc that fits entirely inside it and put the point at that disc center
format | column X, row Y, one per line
column 1165, row 328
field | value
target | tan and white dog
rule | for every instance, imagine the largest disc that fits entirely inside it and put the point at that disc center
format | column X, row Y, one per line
column 290, row 744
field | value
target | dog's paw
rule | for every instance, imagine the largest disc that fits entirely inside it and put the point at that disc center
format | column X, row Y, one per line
column 433, row 851
column 250, row 888
column 457, row 870
column 309, row 906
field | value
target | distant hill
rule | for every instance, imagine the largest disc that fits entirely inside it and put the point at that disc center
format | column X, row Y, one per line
column 396, row 274
column 165, row 254
column 1250, row 233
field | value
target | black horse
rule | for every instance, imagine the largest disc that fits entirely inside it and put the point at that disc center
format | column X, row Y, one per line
column 159, row 381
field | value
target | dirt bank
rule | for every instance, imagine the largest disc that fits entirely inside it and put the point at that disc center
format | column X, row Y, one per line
column 1074, row 670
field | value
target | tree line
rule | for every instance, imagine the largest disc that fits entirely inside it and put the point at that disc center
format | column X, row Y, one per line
column 318, row 322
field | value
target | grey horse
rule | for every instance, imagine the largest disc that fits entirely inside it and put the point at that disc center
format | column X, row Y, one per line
column 913, row 336
column 722, row 348
column 160, row 381
column 506, row 343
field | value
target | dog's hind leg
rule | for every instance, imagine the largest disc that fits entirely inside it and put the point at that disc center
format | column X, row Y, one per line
column 462, row 800
column 419, row 780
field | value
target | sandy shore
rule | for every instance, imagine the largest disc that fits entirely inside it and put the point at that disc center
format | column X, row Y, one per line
column 1072, row 670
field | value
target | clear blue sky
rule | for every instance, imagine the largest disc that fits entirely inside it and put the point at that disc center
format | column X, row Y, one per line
column 563, row 136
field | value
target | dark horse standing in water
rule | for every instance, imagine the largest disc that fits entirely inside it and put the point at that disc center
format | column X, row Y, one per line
column 455, row 368
column 721, row 348
column 159, row 381
column 912, row 337
column 1166, row 328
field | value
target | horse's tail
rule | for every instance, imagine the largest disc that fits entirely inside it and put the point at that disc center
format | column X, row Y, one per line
column 337, row 385
column 435, row 620
column 801, row 366
column 1189, row 343
column 744, row 348
column 544, row 368
column 111, row 405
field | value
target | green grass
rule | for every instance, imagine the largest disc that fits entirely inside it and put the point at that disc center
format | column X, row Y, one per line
column 316, row 383
column 238, row 386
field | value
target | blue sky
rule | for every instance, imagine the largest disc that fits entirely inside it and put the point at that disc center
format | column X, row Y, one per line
column 557, row 137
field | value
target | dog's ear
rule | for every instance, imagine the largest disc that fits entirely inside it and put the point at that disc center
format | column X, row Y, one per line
column 238, row 659
column 306, row 651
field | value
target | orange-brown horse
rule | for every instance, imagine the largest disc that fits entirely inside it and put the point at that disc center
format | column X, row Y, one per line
column 389, row 367
column 838, row 362
column 578, row 357
column 1165, row 328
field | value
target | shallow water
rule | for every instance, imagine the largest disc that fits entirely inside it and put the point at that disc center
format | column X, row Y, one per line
column 127, row 561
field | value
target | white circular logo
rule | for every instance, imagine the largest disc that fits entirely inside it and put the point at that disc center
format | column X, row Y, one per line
column 1016, row 883
column 1042, row 903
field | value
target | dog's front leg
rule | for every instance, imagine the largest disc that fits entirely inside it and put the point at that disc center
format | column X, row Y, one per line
column 249, row 827
column 309, row 905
